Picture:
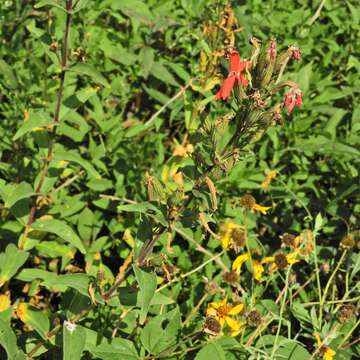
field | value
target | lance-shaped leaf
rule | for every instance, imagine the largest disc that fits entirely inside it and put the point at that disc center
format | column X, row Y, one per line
column 53, row 3
column 8, row 342
column 18, row 192
column 37, row 120
column 62, row 230
column 147, row 285
column 85, row 69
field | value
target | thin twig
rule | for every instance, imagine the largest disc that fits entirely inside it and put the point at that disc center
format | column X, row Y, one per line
column 56, row 121
column 317, row 13
column 120, row 277
column 183, row 276
column 69, row 181
column 178, row 94
column 200, row 248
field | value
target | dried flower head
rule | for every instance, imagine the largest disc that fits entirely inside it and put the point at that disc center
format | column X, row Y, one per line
column 348, row 241
column 238, row 238
column 212, row 326
column 231, row 277
column 290, row 240
column 254, row 318
column 248, row 202
column 347, row 312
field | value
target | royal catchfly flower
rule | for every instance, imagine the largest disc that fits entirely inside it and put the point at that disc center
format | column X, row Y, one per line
column 237, row 69
column 293, row 98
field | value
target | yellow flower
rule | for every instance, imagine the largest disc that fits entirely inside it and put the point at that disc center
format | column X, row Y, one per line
column 248, row 202
column 269, row 176
column 5, row 302
column 258, row 269
column 326, row 352
column 280, row 261
column 239, row 261
column 22, row 312
column 230, row 234
column 222, row 311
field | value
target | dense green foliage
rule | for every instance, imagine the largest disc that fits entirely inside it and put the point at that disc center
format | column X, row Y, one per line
column 137, row 153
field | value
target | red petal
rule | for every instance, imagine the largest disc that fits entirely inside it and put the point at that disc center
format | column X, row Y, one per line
column 298, row 101
column 225, row 90
column 234, row 61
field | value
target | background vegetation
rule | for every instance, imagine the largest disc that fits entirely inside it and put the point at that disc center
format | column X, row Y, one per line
column 139, row 85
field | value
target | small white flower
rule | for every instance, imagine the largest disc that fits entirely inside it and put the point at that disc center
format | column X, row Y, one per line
column 70, row 325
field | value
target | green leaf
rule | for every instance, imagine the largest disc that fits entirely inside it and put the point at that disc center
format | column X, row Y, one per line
column 54, row 3
column 161, row 332
column 18, row 192
column 144, row 208
column 80, row 5
column 28, row 275
column 73, row 341
column 76, row 158
column 211, row 351
column 147, row 284
column 8, row 341
column 120, row 349
column 78, row 281
column 38, row 119
column 62, row 230
column 160, row 72
column 10, row 262
column 76, row 100
column 9, row 76
column 85, row 69
column 34, row 317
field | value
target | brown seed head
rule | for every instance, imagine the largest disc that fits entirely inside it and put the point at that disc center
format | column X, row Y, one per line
column 238, row 237
column 231, row 277
column 247, row 202
column 288, row 239
column 254, row 318
column 347, row 312
column 281, row 261
column 348, row 241
column 212, row 326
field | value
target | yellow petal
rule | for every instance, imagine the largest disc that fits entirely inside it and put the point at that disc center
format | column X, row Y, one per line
column 318, row 340
column 221, row 320
column 22, row 312
column 268, row 259
column 211, row 312
column 258, row 269
column 235, row 326
column 239, row 261
column 225, row 240
column 236, row 309
column 262, row 209
column 329, row 354
column 291, row 258
column 4, row 301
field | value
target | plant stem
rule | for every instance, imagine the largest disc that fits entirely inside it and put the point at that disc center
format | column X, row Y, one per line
column 56, row 121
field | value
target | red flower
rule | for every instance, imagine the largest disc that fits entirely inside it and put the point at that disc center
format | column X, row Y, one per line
column 272, row 50
column 237, row 68
column 295, row 53
column 293, row 98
